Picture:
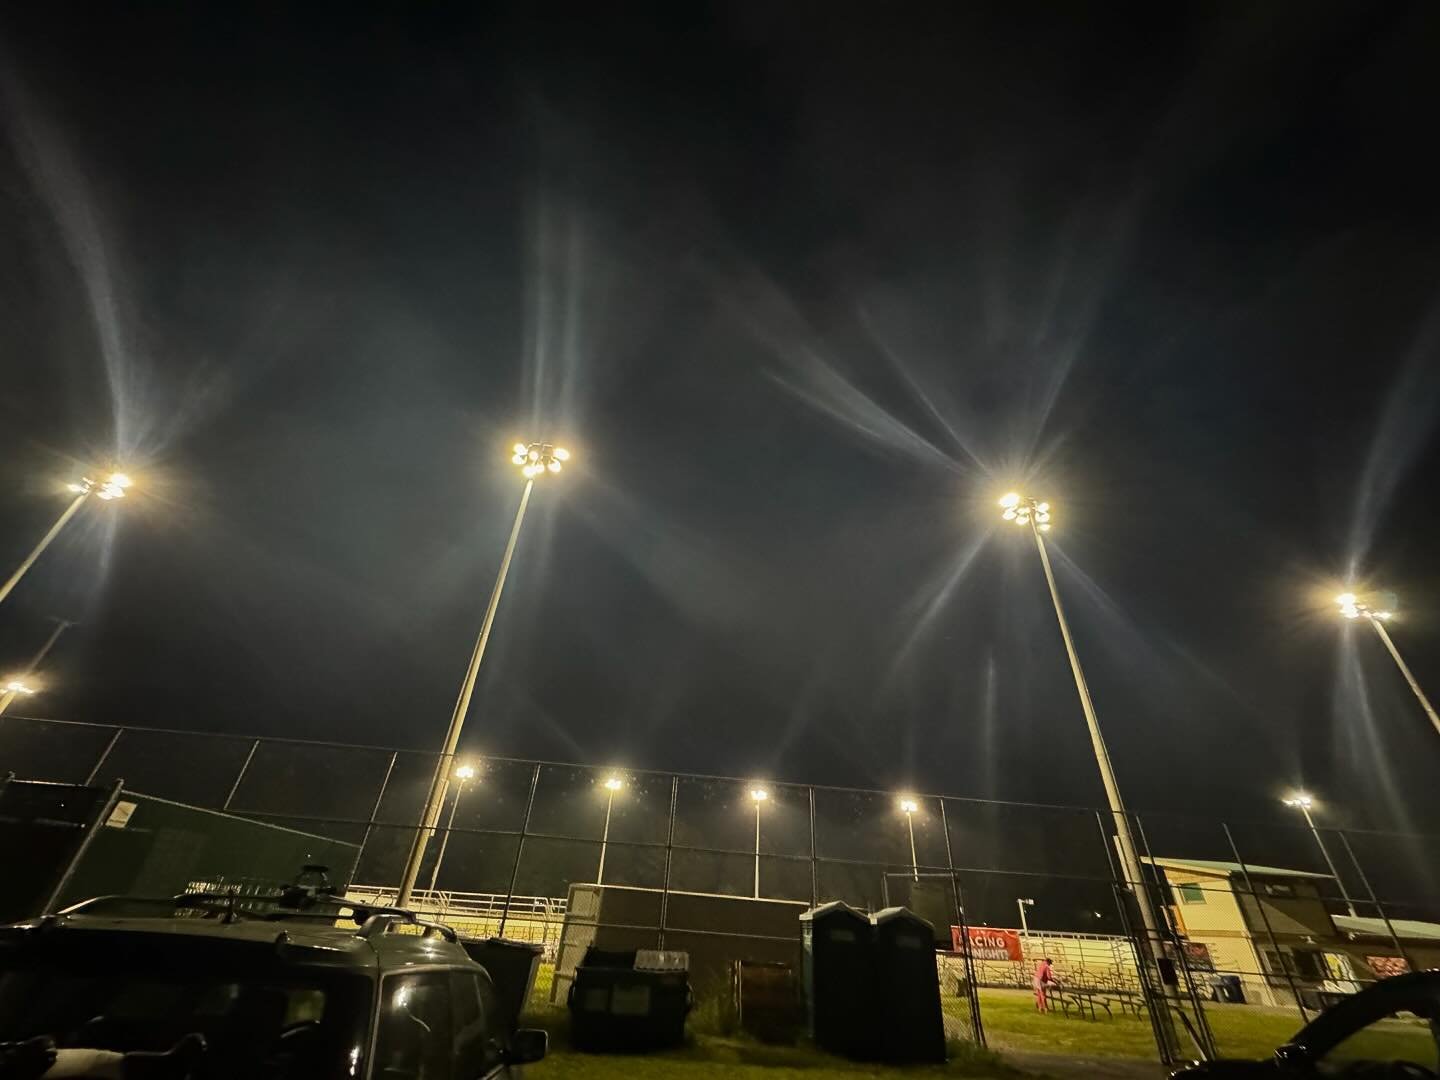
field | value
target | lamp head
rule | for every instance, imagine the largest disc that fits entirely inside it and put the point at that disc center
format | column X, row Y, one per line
column 538, row 458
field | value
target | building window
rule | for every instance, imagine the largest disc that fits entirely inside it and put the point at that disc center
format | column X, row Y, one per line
column 1190, row 893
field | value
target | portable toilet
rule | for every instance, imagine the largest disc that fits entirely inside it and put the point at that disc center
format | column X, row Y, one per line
column 907, row 988
column 838, row 971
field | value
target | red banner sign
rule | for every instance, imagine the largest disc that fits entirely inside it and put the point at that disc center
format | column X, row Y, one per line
column 989, row 944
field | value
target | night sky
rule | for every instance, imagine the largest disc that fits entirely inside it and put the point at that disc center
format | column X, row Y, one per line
column 804, row 287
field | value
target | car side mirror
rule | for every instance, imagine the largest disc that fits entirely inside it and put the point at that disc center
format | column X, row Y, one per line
column 527, row 1045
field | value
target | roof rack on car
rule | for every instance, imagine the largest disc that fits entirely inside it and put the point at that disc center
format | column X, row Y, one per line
column 230, row 906
column 381, row 923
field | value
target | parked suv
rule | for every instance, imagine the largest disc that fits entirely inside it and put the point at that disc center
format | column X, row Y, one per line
column 198, row 988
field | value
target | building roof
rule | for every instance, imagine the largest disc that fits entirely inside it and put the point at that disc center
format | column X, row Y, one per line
column 1404, row 928
column 1212, row 867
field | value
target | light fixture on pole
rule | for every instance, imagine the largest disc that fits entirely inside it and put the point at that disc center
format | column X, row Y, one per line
column 1023, row 904
column 611, row 785
column 1352, row 607
column 1304, row 803
column 20, row 685
column 908, row 807
column 113, row 486
column 534, row 460
column 463, row 775
column 758, row 795
column 1026, row 511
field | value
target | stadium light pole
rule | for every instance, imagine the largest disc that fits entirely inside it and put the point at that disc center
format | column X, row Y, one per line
column 612, row 785
column 1023, row 903
column 908, row 806
column 17, row 686
column 1028, row 512
column 463, row 774
column 758, row 795
column 1303, row 802
column 112, row 487
column 535, row 460
column 1353, row 607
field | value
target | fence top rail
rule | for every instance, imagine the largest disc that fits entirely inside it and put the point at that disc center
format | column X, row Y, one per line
column 1099, row 812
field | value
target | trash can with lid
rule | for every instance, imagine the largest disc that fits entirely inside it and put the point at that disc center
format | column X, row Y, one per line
column 1227, row 988
column 628, row 1006
column 907, row 988
column 512, row 966
column 838, row 971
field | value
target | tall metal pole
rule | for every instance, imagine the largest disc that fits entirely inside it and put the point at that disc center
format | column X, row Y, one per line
column 757, row 849
column 914, row 862
column 604, row 838
column 1102, row 753
column 1130, row 862
column 1320, row 843
column 445, row 840
column 1024, row 923
column 433, row 801
column 70, row 511
column 1405, row 670
column 61, row 626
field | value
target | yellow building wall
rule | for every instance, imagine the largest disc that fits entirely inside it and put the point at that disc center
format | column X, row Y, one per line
column 1219, row 925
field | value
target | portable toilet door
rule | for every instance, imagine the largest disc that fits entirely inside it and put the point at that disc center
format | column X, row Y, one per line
column 907, row 986
column 839, row 972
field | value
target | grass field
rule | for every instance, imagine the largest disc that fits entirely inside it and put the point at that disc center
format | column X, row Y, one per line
column 1241, row 1031
column 1011, row 1024
column 710, row 1053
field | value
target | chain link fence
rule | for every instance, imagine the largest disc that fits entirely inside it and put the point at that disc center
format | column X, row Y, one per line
column 1264, row 924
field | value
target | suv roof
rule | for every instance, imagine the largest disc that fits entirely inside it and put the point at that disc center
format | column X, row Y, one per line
column 383, row 938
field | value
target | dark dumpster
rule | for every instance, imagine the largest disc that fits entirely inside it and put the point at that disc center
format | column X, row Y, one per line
column 629, row 1001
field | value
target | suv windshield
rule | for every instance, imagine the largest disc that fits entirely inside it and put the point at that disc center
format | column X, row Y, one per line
column 262, row 1018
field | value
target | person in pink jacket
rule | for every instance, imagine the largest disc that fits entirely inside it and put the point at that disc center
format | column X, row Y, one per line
column 1043, row 981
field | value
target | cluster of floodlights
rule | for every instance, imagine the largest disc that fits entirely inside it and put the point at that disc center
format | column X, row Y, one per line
column 538, row 458
column 1352, row 607
column 112, row 487
column 1021, row 510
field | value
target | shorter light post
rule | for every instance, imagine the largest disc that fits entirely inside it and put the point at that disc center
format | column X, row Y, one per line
column 1352, row 607
column 1022, row 904
column 612, row 785
column 908, row 806
column 463, row 774
column 757, row 795
column 19, row 686
column 1304, row 802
